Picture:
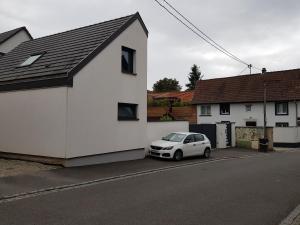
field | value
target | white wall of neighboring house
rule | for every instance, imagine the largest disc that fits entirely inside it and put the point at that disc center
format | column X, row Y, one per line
column 33, row 122
column 93, row 126
column 14, row 41
column 286, row 134
column 239, row 116
column 157, row 130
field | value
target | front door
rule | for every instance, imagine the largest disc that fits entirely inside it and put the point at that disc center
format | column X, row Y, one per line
column 228, row 133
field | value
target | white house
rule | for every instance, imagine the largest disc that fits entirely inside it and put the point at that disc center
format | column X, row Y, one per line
column 239, row 100
column 77, row 97
column 11, row 39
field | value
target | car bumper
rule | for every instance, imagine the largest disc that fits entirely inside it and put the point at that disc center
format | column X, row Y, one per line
column 161, row 154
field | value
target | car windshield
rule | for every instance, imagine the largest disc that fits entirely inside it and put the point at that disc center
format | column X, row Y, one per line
column 174, row 137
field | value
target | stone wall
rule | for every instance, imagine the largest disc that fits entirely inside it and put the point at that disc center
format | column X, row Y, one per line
column 248, row 137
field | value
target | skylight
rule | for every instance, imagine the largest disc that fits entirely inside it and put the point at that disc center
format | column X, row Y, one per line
column 31, row 60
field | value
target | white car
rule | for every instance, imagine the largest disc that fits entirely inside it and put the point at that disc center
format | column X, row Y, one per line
column 178, row 145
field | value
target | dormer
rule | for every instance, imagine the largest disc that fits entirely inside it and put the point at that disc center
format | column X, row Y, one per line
column 11, row 39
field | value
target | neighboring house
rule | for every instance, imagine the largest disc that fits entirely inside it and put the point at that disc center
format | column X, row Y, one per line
column 11, row 39
column 77, row 97
column 175, row 104
column 239, row 99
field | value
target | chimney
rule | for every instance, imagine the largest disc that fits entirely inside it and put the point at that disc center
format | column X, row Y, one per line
column 263, row 71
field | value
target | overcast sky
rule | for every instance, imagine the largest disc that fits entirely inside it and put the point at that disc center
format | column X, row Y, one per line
column 265, row 33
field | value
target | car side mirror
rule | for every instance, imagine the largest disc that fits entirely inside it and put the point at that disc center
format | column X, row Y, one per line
column 186, row 141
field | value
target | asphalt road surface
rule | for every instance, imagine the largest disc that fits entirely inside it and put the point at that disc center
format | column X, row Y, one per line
column 258, row 190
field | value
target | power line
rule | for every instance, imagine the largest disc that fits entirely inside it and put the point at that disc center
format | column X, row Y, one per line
column 209, row 38
column 206, row 38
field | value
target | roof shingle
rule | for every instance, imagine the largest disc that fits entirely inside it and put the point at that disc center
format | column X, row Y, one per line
column 280, row 86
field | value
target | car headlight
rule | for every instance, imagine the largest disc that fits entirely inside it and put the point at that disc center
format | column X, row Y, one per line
column 168, row 148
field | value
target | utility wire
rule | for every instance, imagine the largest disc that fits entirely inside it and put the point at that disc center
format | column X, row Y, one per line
column 240, row 73
column 209, row 38
column 206, row 38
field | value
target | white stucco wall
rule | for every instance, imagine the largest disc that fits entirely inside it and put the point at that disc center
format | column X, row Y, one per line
column 239, row 115
column 93, row 126
column 286, row 134
column 14, row 41
column 33, row 122
column 157, row 130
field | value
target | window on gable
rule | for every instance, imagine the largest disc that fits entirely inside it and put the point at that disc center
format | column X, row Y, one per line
column 225, row 109
column 127, row 111
column 281, row 124
column 205, row 110
column 128, row 60
column 31, row 60
column 281, row 108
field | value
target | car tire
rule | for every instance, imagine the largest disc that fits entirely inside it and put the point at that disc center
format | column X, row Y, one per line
column 206, row 153
column 178, row 155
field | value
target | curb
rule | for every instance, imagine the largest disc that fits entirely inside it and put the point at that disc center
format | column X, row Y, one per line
column 293, row 218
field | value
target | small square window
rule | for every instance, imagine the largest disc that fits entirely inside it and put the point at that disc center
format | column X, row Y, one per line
column 281, row 124
column 225, row 109
column 248, row 108
column 128, row 60
column 281, row 108
column 205, row 110
column 31, row 60
column 127, row 111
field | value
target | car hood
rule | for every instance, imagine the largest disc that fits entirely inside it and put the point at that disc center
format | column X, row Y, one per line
column 163, row 143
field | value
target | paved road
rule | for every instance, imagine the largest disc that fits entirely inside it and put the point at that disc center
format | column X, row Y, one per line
column 259, row 190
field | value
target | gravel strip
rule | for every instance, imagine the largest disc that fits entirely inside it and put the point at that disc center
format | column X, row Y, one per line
column 15, row 167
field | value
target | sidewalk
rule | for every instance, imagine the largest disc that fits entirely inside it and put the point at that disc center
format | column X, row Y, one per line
column 293, row 218
column 66, row 176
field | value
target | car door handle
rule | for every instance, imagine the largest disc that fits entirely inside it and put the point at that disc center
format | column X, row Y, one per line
column 194, row 144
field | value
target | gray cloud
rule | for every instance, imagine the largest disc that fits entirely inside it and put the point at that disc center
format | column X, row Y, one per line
column 265, row 33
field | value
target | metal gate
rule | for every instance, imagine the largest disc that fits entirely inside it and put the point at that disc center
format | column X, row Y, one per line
column 208, row 129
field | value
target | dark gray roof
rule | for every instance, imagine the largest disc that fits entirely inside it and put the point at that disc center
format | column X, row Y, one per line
column 64, row 55
column 8, row 34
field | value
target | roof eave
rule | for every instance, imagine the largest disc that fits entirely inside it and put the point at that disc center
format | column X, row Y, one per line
column 29, row 84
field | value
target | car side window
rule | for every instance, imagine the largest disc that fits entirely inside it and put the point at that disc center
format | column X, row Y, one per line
column 189, row 139
column 199, row 137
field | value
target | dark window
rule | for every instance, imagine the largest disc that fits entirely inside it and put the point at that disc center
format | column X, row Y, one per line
column 281, row 108
column 225, row 109
column 128, row 60
column 248, row 107
column 199, row 137
column 189, row 139
column 205, row 110
column 281, row 124
column 127, row 111
column 298, row 121
column 250, row 123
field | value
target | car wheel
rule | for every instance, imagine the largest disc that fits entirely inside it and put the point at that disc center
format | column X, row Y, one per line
column 178, row 155
column 206, row 153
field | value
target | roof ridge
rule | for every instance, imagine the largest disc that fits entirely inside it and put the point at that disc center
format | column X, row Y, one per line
column 106, row 21
column 247, row 75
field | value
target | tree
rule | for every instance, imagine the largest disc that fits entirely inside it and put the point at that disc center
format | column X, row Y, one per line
column 166, row 84
column 193, row 77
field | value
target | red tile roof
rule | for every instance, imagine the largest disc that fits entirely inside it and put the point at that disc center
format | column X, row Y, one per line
column 184, row 96
column 281, row 86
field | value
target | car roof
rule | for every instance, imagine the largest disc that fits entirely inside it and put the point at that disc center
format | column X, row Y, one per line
column 185, row 133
